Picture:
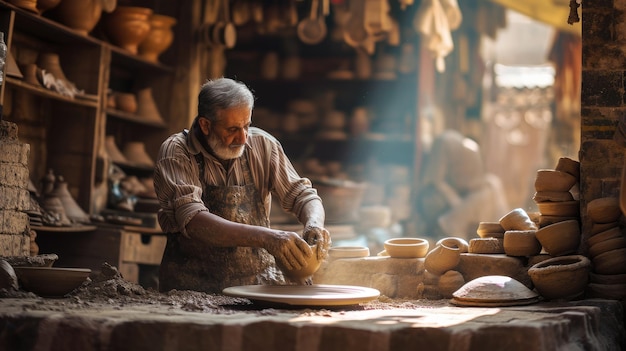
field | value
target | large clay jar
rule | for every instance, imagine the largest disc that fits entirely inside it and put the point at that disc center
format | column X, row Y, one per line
column 128, row 26
column 159, row 37
column 80, row 15
column 442, row 259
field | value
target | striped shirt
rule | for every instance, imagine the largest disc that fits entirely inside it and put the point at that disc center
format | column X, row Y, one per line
column 179, row 189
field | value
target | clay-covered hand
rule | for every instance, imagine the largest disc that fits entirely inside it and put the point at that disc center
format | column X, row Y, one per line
column 320, row 237
column 289, row 250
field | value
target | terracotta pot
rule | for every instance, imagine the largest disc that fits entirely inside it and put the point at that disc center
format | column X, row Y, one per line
column 607, row 291
column 113, row 151
column 135, row 152
column 607, row 245
column 461, row 243
column 560, row 238
column 553, row 180
column 450, row 282
column 568, row 165
column 517, row 219
column 442, row 259
column 159, row 38
column 80, row 15
column 312, row 265
column 406, row 247
column 604, row 210
column 51, row 62
column 72, row 210
column 126, row 102
column 562, row 277
column 45, row 5
column 521, row 243
column 28, row 5
column 146, row 106
column 127, row 26
column 610, row 262
column 560, row 208
column 610, row 233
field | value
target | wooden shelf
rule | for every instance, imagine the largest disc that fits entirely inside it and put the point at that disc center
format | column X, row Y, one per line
column 87, row 100
column 130, row 117
column 68, row 229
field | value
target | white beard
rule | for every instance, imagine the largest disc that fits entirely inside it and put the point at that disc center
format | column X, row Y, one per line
column 224, row 152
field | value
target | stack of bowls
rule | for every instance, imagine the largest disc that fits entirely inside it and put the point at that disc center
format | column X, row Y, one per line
column 607, row 249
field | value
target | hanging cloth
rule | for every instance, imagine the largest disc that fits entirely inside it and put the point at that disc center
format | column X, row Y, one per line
column 434, row 20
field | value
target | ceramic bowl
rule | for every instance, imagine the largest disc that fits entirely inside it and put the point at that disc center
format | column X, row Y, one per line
column 607, row 291
column 406, row 247
column 607, row 234
column 490, row 230
column 561, row 238
column 568, row 165
column 607, row 245
column 553, row 180
column 560, row 208
column 494, row 290
column 348, row 252
column 51, row 281
column 607, row 278
column 604, row 210
column 610, row 262
column 521, row 243
column 563, row 277
column 517, row 219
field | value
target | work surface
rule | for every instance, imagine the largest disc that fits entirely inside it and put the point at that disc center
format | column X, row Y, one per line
column 195, row 321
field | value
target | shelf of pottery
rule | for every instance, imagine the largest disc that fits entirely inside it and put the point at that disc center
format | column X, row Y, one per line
column 77, row 80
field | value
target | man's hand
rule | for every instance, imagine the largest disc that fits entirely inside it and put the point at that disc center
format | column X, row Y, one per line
column 319, row 236
column 289, row 250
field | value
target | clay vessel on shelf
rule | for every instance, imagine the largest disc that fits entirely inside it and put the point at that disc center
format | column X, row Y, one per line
column 126, row 102
column 51, row 62
column 159, row 37
column 442, row 259
column 113, row 151
column 146, row 106
column 80, row 15
column 135, row 152
column 127, row 26
column 72, row 210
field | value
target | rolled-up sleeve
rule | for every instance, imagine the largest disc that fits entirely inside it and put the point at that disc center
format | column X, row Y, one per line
column 177, row 184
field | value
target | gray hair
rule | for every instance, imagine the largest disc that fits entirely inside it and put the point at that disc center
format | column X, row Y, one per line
column 222, row 93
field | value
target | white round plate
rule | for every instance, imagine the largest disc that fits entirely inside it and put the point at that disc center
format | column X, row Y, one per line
column 305, row 295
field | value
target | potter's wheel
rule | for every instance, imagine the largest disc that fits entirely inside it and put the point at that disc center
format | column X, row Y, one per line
column 305, row 295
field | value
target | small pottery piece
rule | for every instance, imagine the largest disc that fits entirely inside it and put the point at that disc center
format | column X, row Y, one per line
column 553, row 180
column 517, row 219
column 80, row 15
column 72, row 210
column 547, row 220
column 442, row 259
column 126, row 102
column 159, row 38
column 568, row 165
column 604, row 210
column 561, row 238
column 521, row 243
column 127, row 26
column 51, row 281
column 607, row 245
column 51, row 62
column 460, row 243
column 563, row 277
column 560, row 208
column 488, row 228
column 406, row 247
column 610, row 262
column 113, row 151
column 146, row 106
column 597, row 228
column 493, row 291
column 613, row 232
column 542, row 196
column 348, row 252
column 450, row 282
column 486, row 246
column 135, row 152
column 312, row 265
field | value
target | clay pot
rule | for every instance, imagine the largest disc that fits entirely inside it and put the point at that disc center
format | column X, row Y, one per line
column 28, row 5
column 80, row 15
column 597, row 228
column 610, row 262
column 406, row 247
column 72, row 210
column 450, row 282
column 45, row 5
column 563, row 277
column 348, row 252
column 460, row 243
column 51, row 62
column 521, row 243
column 607, row 245
column 607, row 234
column 553, row 180
column 128, row 26
column 486, row 246
column 31, row 74
column 567, row 165
column 159, row 37
column 487, row 229
column 135, row 152
column 560, row 208
column 442, row 259
column 607, row 278
column 113, row 151
column 607, row 291
column 604, row 210
column 126, row 102
column 517, row 219
column 146, row 106
column 561, row 238
column 542, row 196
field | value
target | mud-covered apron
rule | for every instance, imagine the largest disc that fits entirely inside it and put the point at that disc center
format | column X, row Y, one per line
column 189, row 266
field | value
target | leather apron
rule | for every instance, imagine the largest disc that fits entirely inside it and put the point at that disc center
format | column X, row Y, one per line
column 188, row 266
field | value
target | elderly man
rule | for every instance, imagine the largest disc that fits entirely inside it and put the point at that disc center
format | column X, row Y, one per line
column 214, row 184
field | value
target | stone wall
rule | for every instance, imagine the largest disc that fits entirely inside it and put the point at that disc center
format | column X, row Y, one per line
column 603, row 102
column 14, row 195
